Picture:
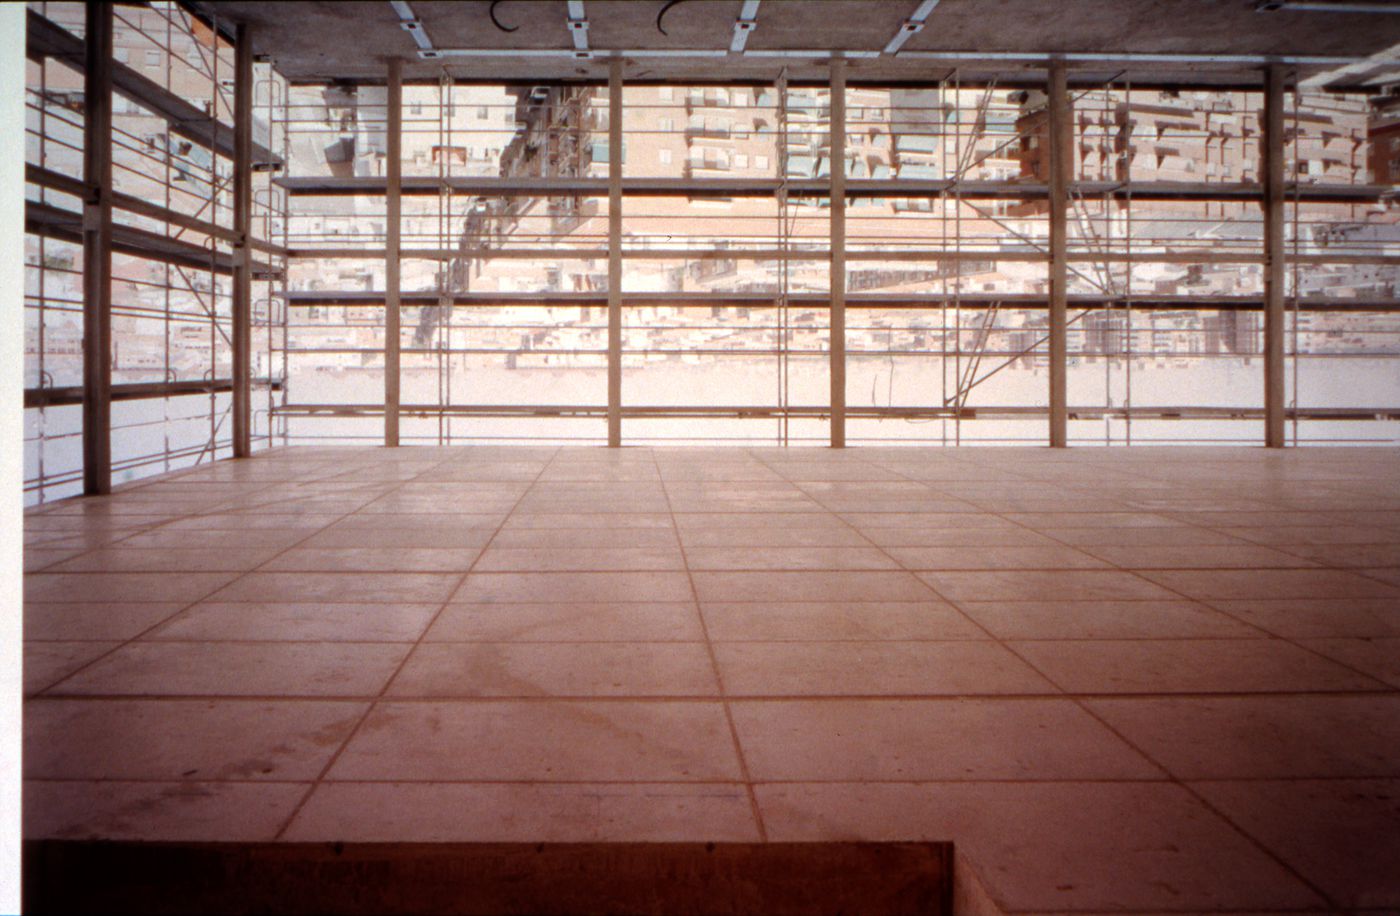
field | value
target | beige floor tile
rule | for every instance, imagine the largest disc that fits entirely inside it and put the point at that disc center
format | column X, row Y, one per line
column 717, row 518
column 837, row 620
column 1291, row 536
column 881, row 740
column 224, row 812
column 169, row 559
column 433, row 504
column 821, row 536
column 1377, row 656
column 592, row 505
column 1088, row 519
column 1103, row 620
column 46, row 663
column 629, row 622
column 1343, row 835
column 1272, row 583
column 1388, row 576
column 580, row 559
column 809, row 586
column 542, row 740
column 1347, row 556
column 79, row 539
column 451, row 540
column 37, row 558
column 286, row 669
column 1042, row 585
column 115, row 620
column 1213, row 556
column 963, row 667
column 816, row 558
column 1294, row 735
column 1163, row 666
column 215, row 620
column 316, row 587
column 1054, row 846
column 497, row 669
column 994, row 558
column 234, row 521
column 573, row 587
column 571, row 538
column 966, row 519
column 430, row 530
column 108, row 587
column 957, row 537
column 1142, row 537
column 162, row 538
column 1318, row 617
column 277, row 740
column 557, row 520
column 373, row 559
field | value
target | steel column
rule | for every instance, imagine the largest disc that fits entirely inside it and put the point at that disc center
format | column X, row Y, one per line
column 1271, row 153
column 837, row 128
column 97, row 252
column 393, row 173
column 1061, row 158
column 242, row 250
column 615, row 252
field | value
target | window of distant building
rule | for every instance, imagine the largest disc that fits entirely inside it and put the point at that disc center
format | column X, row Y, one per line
column 666, row 125
column 153, row 58
column 664, row 156
column 482, row 113
column 760, row 162
column 741, row 161
column 123, row 55
column 456, row 154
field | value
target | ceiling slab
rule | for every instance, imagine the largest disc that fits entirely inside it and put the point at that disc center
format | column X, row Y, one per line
column 1007, row 40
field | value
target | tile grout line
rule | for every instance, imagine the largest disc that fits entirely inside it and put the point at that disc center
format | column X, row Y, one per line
column 755, row 811
column 1269, row 636
column 1171, row 776
column 372, row 703
column 160, row 623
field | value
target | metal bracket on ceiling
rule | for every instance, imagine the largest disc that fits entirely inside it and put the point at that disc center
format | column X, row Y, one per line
column 910, row 27
column 746, row 23
column 414, row 27
column 578, row 30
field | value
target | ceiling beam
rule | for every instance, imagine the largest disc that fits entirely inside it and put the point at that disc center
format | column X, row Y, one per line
column 910, row 27
column 746, row 23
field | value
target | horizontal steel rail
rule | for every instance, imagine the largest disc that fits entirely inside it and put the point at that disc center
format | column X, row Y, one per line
column 136, row 391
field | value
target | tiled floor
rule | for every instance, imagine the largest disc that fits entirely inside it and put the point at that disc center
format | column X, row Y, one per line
column 1138, row 680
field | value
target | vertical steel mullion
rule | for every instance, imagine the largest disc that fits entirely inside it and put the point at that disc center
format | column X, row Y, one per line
column 243, row 251
column 836, row 127
column 1060, row 158
column 1272, row 153
column 615, row 252
column 97, row 252
column 393, row 231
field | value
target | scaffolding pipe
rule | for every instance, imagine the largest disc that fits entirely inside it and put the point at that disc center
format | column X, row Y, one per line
column 1060, row 159
column 837, row 128
column 1272, row 154
column 393, row 172
column 615, row 252
column 97, row 252
column 242, row 251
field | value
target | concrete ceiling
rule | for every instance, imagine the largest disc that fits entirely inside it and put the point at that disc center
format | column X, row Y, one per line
column 1002, row 39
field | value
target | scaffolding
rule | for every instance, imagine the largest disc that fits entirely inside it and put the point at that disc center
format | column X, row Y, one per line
column 949, row 262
